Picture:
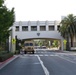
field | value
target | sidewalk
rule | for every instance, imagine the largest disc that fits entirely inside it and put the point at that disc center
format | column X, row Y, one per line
column 3, row 64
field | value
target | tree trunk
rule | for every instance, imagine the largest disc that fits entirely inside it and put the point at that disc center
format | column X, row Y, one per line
column 72, row 41
column 67, row 44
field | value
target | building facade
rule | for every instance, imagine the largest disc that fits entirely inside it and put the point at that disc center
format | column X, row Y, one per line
column 36, row 29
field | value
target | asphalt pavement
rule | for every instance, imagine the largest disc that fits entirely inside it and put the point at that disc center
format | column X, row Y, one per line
column 43, row 62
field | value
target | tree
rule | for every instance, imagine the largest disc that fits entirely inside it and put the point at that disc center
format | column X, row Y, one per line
column 55, row 43
column 7, row 18
column 1, row 2
column 68, row 28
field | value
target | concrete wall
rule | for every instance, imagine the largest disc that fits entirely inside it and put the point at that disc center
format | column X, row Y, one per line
column 33, row 34
column 42, row 34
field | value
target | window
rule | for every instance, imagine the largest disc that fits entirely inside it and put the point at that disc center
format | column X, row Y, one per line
column 58, row 27
column 42, row 28
column 28, row 44
column 24, row 28
column 33, row 28
column 51, row 28
column 17, row 28
column 31, row 44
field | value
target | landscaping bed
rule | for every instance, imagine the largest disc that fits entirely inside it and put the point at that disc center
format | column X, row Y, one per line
column 4, row 55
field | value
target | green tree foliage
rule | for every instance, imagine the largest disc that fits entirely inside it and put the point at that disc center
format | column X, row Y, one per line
column 68, row 28
column 1, row 2
column 55, row 43
column 6, row 20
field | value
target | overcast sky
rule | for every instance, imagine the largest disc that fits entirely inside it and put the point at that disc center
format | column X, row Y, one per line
column 42, row 10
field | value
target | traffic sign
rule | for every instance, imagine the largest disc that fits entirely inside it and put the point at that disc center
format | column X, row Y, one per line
column 13, row 41
column 64, row 41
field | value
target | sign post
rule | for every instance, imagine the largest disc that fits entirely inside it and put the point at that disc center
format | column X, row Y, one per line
column 13, row 41
column 13, row 44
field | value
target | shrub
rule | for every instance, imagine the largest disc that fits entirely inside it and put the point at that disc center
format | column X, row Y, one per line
column 4, row 56
column 17, row 52
column 3, row 52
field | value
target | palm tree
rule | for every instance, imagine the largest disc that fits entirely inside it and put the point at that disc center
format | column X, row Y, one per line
column 64, row 33
column 68, row 28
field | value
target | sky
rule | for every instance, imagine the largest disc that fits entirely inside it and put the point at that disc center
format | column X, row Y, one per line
column 33, row 10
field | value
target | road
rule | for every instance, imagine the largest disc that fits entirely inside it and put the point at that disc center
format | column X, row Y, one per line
column 43, row 62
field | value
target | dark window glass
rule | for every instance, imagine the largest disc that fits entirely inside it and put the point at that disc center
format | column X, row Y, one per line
column 33, row 28
column 24, row 28
column 42, row 28
column 17, row 28
column 31, row 44
column 26, row 44
column 58, row 27
column 51, row 28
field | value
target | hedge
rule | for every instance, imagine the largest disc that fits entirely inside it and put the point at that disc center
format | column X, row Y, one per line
column 17, row 52
column 4, row 56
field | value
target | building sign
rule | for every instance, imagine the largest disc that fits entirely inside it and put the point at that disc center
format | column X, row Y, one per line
column 38, row 34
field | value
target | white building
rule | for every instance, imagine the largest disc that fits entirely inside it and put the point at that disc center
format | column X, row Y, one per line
column 37, row 29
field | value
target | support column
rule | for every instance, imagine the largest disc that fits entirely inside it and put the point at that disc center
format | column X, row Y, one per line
column 55, row 25
column 13, row 37
column 10, row 40
column 46, row 25
column 62, row 45
column 9, row 43
column 38, row 29
column 20, row 26
column 29, row 24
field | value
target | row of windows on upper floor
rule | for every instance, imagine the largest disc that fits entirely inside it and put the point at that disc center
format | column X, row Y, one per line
column 34, row 28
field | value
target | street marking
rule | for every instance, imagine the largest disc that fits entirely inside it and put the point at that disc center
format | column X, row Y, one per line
column 31, row 55
column 35, row 55
column 53, row 55
column 44, row 68
column 36, row 63
column 67, row 59
column 38, row 52
column 46, row 55
column 42, row 52
column 40, row 55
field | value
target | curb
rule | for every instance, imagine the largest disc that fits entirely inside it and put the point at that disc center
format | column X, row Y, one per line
column 3, row 64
